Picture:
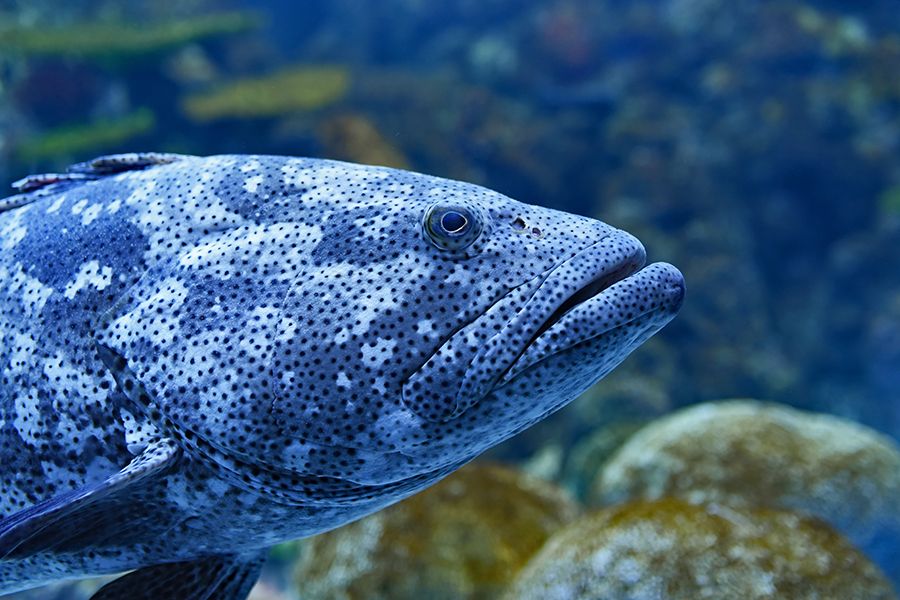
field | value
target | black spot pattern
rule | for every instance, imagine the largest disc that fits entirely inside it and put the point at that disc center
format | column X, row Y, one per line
column 321, row 338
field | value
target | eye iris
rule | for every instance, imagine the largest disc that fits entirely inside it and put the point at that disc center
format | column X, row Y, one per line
column 452, row 227
column 453, row 222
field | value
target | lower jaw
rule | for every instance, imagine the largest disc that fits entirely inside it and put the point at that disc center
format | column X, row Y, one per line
column 644, row 327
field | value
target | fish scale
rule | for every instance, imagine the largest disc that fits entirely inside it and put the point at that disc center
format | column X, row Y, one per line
column 204, row 356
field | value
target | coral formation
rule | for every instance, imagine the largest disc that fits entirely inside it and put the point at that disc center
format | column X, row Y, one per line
column 76, row 140
column 112, row 39
column 676, row 550
column 290, row 90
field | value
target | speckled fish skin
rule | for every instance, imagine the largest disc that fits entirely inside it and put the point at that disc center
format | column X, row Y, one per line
column 298, row 331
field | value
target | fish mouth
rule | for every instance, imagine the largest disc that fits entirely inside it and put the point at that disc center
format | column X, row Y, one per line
column 594, row 288
column 643, row 299
column 601, row 288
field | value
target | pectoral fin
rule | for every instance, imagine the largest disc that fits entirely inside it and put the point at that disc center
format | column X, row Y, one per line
column 228, row 577
column 109, row 512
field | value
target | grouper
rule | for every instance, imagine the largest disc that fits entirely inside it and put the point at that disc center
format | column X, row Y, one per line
column 202, row 357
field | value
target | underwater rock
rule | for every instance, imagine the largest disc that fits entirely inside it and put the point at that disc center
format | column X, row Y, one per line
column 594, row 450
column 748, row 453
column 111, row 39
column 284, row 92
column 355, row 138
column 94, row 137
column 466, row 537
column 676, row 550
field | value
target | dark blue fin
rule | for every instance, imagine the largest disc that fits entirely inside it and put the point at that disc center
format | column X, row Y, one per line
column 228, row 577
column 85, row 171
column 110, row 512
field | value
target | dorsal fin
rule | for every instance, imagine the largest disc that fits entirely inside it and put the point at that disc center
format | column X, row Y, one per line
column 85, row 171
column 117, row 163
column 41, row 180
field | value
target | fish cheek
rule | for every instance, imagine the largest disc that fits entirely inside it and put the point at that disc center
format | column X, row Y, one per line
column 200, row 346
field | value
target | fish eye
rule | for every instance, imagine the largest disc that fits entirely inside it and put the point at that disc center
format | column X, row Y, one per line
column 452, row 227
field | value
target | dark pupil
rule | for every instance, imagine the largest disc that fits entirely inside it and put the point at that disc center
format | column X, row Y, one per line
column 453, row 222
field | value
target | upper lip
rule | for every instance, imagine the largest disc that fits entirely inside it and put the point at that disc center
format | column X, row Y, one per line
column 591, row 289
column 568, row 284
column 652, row 294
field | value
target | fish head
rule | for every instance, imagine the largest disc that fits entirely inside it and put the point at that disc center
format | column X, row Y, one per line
column 444, row 318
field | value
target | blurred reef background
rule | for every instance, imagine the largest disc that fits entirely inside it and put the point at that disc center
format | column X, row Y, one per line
column 755, row 145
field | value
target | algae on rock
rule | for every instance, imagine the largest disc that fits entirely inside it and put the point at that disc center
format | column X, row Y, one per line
column 680, row 551
column 748, row 453
column 465, row 537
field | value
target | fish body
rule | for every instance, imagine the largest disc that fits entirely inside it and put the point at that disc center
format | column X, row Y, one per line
column 201, row 357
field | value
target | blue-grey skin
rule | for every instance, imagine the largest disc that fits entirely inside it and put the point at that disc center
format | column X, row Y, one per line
column 203, row 357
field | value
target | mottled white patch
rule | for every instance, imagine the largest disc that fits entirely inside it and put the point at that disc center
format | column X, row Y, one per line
column 152, row 216
column 12, row 237
column 142, row 193
column 138, row 433
column 57, row 204
column 114, row 206
column 295, row 174
column 201, row 209
column 370, row 305
column 379, row 386
column 252, row 183
column 343, row 381
column 287, row 328
column 287, row 377
column 219, row 253
column 250, row 165
column 472, row 338
column 170, row 297
column 425, row 326
column 296, row 239
column 90, row 274
column 58, row 369
column 79, row 207
column 24, row 347
column 379, row 352
column 91, row 213
column 34, row 293
column 13, row 231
